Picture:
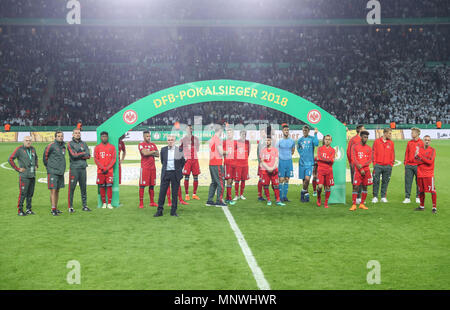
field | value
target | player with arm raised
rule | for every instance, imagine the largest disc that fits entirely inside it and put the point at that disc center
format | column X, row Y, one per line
column 149, row 151
column 325, row 160
column 361, row 159
column 286, row 148
column 305, row 148
column 425, row 157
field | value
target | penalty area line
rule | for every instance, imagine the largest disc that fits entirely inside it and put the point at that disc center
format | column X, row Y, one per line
column 251, row 261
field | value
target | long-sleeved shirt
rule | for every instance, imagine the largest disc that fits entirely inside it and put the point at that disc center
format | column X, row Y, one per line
column 78, row 154
column 27, row 159
column 425, row 162
column 104, row 157
column 55, row 158
column 361, row 154
column 383, row 152
column 305, row 148
column 410, row 152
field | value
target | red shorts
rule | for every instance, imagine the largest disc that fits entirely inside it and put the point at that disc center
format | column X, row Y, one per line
column 325, row 177
column 241, row 173
column 426, row 185
column 267, row 178
column 229, row 171
column 105, row 178
column 191, row 165
column 359, row 179
column 147, row 177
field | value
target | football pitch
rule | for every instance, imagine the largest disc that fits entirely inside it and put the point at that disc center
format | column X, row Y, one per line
column 299, row 246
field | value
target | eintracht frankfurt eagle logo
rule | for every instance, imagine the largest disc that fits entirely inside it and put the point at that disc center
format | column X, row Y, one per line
column 314, row 116
column 130, row 117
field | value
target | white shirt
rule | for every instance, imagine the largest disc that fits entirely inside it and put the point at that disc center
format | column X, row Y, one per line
column 170, row 158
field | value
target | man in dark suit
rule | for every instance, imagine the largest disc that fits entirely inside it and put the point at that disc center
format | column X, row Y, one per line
column 172, row 161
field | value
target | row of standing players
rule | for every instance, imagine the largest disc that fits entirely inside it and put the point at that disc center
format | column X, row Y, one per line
column 274, row 167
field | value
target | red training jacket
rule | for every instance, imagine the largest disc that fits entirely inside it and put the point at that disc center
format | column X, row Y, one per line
column 104, row 157
column 383, row 152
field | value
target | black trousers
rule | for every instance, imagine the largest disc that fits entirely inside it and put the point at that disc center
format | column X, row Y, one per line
column 170, row 178
column 26, row 191
column 77, row 176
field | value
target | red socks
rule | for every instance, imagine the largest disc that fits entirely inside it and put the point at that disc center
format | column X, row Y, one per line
column 102, row 194
column 242, row 187
column 433, row 199
column 151, row 193
column 422, row 199
column 141, row 194
column 109, row 193
column 236, row 188
column 186, row 186
column 363, row 197
column 266, row 191
column 179, row 193
column 260, row 188
column 229, row 187
column 195, row 185
column 314, row 182
column 277, row 193
column 354, row 196
column 327, row 196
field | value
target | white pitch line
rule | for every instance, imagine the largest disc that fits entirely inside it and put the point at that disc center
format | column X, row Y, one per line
column 9, row 168
column 251, row 261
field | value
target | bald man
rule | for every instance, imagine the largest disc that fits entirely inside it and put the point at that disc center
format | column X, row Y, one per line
column 28, row 163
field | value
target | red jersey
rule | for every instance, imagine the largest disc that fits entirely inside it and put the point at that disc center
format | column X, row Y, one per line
column 410, row 152
column 191, row 146
column 425, row 162
column 325, row 158
column 215, row 159
column 147, row 162
column 383, row 152
column 269, row 156
column 355, row 140
column 242, row 151
column 121, row 147
column 229, row 146
column 361, row 154
column 104, row 156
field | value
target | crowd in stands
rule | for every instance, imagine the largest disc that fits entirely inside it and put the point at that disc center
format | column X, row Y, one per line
column 60, row 75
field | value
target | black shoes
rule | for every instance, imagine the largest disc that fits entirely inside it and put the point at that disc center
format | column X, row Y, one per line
column 55, row 212
column 157, row 214
column 419, row 209
column 210, row 203
column 29, row 212
column 58, row 211
column 85, row 208
column 220, row 204
column 174, row 214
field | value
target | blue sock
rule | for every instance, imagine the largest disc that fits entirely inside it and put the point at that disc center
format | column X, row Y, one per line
column 281, row 187
column 286, row 187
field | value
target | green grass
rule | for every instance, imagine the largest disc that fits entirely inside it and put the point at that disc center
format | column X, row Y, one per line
column 298, row 246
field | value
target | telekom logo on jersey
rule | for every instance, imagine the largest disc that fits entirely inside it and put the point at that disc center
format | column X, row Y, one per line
column 103, row 154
